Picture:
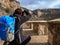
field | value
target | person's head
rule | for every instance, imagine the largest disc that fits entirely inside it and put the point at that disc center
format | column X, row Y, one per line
column 18, row 12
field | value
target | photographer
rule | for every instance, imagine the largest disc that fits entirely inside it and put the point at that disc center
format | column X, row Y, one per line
column 20, row 18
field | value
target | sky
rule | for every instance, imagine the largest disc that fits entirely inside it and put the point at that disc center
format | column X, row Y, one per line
column 39, row 4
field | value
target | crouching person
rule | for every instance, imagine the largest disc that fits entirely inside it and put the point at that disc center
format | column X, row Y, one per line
column 13, row 35
column 20, row 18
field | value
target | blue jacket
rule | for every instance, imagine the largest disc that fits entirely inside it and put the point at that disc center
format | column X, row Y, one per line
column 7, row 22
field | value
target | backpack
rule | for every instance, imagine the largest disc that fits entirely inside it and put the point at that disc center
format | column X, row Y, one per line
column 7, row 25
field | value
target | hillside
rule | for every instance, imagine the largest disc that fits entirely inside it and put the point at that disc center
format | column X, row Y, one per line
column 47, row 14
column 8, row 6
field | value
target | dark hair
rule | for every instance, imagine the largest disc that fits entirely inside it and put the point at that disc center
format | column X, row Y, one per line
column 17, row 11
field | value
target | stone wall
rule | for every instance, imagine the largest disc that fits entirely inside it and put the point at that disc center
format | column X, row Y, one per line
column 39, row 33
column 54, row 29
column 49, row 32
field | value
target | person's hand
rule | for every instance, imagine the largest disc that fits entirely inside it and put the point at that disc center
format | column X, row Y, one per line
column 26, row 12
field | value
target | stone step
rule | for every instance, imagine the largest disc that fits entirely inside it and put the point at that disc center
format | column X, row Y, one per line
column 36, row 39
column 39, row 39
column 37, row 44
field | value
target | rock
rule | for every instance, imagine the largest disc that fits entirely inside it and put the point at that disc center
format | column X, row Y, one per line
column 8, row 6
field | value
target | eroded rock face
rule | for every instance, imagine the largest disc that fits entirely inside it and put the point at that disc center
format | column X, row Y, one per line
column 8, row 6
column 11, row 4
column 14, row 5
column 47, row 14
